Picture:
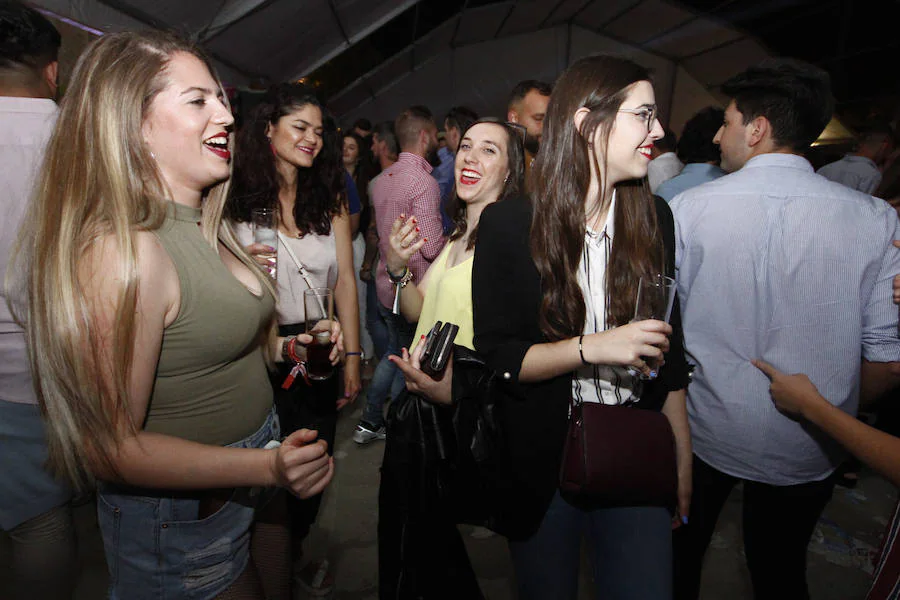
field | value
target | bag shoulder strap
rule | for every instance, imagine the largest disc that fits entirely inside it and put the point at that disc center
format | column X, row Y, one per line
column 300, row 267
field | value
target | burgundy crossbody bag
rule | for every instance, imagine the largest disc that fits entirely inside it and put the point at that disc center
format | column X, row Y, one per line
column 618, row 455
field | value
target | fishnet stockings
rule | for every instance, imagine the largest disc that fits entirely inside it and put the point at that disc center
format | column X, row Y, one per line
column 268, row 574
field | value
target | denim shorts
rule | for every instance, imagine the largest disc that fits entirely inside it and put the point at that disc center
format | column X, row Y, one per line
column 158, row 549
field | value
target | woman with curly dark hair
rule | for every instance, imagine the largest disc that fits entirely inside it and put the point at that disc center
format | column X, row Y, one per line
column 289, row 158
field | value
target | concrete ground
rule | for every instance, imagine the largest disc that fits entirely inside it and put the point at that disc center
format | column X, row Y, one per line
column 839, row 560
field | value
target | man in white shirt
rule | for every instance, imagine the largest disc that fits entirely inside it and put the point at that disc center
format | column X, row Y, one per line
column 34, row 507
column 665, row 164
column 779, row 264
column 861, row 170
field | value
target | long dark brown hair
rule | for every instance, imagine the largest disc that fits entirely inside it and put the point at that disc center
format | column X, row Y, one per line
column 559, row 182
column 513, row 186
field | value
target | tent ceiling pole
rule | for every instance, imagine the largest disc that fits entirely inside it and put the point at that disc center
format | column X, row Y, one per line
column 337, row 19
column 713, row 48
column 412, row 44
column 340, row 24
column 456, row 27
column 581, row 10
column 671, row 102
column 619, row 14
column 155, row 23
column 254, row 6
column 506, row 18
column 358, row 36
column 550, row 14
column 136, row 14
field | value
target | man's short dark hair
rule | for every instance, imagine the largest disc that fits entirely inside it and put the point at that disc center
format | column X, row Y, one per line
column 362, row 123
column 385, row 133
column 27, row 38
column 696, row 143
column 875, row 133
column 460, row 117
column 666, row 143
column 523, row 87
column 794, row 96
column 410, row 122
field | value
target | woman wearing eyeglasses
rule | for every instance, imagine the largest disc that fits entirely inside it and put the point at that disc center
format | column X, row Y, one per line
column 427, row 558
column 554, row 286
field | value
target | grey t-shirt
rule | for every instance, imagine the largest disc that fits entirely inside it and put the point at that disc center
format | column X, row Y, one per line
column 25, row 128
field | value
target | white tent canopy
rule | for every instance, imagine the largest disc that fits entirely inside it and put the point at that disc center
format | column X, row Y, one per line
column 474, row 58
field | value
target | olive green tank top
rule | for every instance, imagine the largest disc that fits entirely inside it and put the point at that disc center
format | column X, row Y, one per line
column 211, row 381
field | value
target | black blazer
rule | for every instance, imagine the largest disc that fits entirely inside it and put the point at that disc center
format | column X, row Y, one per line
column 506, row 290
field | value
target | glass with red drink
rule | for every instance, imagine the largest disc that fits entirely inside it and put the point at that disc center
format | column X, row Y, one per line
column 319, row 306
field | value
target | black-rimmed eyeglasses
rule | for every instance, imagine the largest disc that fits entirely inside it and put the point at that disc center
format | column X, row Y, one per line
column 648, row 114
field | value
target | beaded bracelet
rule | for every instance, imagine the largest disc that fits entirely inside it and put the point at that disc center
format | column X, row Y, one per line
column 402, row 280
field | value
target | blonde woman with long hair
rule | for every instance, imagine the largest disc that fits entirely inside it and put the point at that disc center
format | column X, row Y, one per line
column 148, row 326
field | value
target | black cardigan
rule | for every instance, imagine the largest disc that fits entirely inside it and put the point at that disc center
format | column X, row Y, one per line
column 506, row 290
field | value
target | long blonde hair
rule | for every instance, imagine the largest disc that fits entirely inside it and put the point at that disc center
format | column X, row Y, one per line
column 99, row 180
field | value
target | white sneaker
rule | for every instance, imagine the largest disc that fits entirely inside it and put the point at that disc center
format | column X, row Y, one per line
column 364, row 435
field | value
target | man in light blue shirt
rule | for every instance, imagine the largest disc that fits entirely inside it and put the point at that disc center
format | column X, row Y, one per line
column 698, row 152
column 861, row 169
column 776, row 263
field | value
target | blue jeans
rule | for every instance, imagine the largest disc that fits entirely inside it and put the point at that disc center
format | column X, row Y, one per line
column 374, row 321
column 388, row 379
column 630, row 552
column 158, row 547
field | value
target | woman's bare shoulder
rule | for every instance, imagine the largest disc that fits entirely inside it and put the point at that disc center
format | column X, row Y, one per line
column 103, row 271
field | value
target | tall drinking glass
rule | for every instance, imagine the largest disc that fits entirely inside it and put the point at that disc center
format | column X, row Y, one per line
column 656, row 294
column 264, row 225
column 319, row 306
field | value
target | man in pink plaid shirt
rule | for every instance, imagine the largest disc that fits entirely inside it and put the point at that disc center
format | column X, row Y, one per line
column 405, row 188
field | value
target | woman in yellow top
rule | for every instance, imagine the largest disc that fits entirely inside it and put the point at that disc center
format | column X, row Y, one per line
column 489, row 168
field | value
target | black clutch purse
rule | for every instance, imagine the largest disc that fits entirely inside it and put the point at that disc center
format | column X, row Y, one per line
column 454, row 456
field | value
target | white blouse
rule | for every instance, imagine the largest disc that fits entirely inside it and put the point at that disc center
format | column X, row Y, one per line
column 599, row 383
column 317, row 253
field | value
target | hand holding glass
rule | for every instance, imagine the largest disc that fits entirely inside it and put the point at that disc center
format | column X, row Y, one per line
column 264, row 225
column 319, row 306
column 656, row 294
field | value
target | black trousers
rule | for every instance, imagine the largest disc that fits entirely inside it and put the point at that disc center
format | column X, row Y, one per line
column 420, row 556
column 305, row 407
column 778, row 522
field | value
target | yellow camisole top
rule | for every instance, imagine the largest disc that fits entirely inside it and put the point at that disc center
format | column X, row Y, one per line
column 448, row 298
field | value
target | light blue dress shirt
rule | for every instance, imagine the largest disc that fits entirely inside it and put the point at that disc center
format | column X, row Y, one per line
column 692, row 175
column 857, row 172
column 778, row 263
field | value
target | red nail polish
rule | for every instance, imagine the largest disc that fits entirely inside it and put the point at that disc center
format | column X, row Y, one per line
column 425, row 239
column 417, row 230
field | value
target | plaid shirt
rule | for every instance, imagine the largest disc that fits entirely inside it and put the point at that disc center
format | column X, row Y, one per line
column 407, row 187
